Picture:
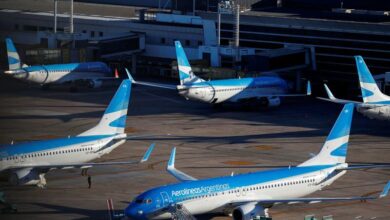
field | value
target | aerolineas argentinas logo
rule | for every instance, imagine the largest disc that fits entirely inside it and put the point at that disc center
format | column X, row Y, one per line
column 201, row 190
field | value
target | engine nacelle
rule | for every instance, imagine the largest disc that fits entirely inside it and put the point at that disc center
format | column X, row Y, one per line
column 273, row 101
column 93, row 84
column 26, row 176
column 248, row 211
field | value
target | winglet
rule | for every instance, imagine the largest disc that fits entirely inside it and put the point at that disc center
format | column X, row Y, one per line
column 129, row 75
column 330, row 94
column 385, row 190
column 147, row 153
column 171, row 162
column 183, row 177
column 308, row 88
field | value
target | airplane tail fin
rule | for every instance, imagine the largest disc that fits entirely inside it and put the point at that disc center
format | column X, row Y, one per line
column 114, row 118
column 13, row 56
column 370, row 91
column 335, row 148
column 185, row 71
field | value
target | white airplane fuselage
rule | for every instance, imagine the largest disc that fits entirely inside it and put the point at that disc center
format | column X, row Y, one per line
column 377, row 112
column 235, row 90
column 62, row 73
column 65, row 151
column 214, row 195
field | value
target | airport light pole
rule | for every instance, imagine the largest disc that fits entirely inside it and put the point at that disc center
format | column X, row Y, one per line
column 219, row 24
column 55, row 16
column 237, row 26
column 224, row 7
column 71, row 28
column 193, row 7
column 71, row 17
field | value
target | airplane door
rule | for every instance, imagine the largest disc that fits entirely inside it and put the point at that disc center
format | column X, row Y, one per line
column 21, row 159
column 238, row 192
column 165, row 199
column 323, row 175
column 100, row 145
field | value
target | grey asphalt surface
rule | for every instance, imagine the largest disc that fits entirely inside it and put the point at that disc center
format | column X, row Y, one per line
column 210, row 142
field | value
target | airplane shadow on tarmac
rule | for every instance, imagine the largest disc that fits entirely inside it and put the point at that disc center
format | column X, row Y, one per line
column 305, row 112
column 57, row 209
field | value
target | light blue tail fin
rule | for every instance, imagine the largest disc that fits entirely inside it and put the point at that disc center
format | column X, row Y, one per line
column 114, row 118
column 13, row 56
column 185, row 71
column 334, row 150
column 370, row 91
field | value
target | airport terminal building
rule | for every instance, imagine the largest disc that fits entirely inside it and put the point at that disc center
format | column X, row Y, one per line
column 318, row 43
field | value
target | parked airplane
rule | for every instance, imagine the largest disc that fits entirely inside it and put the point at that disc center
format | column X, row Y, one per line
column 90, row 74
column 265, row 89
column 249, row 195
column 375, row 105
column 27, row 163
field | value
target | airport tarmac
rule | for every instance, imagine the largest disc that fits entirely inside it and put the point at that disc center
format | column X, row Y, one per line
column 210, row 142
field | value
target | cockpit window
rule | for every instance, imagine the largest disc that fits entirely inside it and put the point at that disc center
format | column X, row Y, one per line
column 142, row 201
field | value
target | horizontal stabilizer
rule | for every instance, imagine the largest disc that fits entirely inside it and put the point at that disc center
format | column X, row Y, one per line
column 366, row 166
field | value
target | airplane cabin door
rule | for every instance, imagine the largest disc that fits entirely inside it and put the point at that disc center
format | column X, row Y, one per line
column 166, row 200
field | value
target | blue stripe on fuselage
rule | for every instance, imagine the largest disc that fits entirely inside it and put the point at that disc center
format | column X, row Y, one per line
column 36, row 146
column 263, row 81
column 220, row 184
column 76, row 67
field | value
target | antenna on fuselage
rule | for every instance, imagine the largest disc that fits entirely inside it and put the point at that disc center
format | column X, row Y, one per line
column 12, row 142
column 232, row 174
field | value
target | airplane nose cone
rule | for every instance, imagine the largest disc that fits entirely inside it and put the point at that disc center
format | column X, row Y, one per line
column 134, row 213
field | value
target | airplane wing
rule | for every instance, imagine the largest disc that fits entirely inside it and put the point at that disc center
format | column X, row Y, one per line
column 332, row 98
column 308, row 92
column 183, row 177
column 367, row 166
column 143, row 136
column 163, row 86
column 314, row 199
column 83, row 77
column 91, row 164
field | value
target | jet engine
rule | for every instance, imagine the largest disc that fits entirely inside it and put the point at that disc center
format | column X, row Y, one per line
column 93, row 84
column 25, row 176
column 273, row 101
column 248, row 211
